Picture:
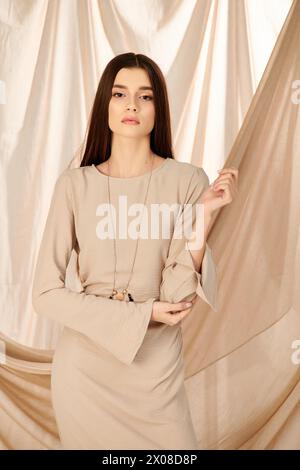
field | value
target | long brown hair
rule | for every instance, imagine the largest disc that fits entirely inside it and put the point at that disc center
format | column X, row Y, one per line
column 98, row 142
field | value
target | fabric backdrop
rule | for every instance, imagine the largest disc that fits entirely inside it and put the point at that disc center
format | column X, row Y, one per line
column 233, row 76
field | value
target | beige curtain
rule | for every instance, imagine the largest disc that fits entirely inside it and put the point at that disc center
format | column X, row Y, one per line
column 242, row 367
column 242, row 376
column 26, row 416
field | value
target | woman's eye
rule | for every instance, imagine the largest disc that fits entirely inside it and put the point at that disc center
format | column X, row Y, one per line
column 143, row 96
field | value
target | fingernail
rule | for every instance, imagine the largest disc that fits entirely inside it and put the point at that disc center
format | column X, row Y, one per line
column 188, row 304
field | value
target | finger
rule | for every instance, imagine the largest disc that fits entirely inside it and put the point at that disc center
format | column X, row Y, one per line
column 232, row 186
column 182, row 312
column 233, row 171
column 223, row 185
column 174, row 318
column 231, row 175
column 179, row 306
column 226, row 177
column 226, row 194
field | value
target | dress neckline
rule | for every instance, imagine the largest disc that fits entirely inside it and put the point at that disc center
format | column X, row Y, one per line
column 130, row 178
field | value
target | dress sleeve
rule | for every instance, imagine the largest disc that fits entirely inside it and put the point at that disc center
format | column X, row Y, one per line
column 180, row 280
column 118, row 326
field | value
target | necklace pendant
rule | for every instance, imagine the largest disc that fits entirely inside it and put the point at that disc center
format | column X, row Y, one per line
column 116, row 295
column 119, row 296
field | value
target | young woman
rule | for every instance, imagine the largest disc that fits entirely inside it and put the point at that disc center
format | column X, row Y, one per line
column 117, row 379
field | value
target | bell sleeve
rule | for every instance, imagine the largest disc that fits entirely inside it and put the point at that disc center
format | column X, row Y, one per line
column 180, row 280
column 118, row 326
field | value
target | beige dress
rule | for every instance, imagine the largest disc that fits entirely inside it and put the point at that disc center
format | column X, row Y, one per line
column 117, row 379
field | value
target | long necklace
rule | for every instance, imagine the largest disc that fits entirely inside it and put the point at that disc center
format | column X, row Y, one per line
column 120, row 295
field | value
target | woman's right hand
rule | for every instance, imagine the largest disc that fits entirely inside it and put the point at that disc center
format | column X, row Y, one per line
column 171, row 313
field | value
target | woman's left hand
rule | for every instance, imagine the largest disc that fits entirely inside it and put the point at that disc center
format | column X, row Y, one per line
column 221, row 191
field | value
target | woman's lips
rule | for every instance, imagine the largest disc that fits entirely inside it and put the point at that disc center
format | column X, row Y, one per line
column 130, row 121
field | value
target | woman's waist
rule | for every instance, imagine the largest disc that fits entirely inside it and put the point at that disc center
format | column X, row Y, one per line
column 137, row 294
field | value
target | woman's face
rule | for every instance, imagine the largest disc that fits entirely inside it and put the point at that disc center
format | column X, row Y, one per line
column 131, row 98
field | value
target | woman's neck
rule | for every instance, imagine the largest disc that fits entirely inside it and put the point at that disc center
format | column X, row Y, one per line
column 128, row 167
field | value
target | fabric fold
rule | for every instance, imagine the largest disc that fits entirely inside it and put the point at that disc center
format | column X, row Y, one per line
column 180, row 280
column 116, row 325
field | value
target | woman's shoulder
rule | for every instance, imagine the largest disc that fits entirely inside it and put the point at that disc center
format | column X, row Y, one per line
column 73, row 180
column 75, row 173
column 187, row 170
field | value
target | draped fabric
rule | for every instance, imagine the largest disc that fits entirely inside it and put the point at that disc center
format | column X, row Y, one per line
column 234, row 102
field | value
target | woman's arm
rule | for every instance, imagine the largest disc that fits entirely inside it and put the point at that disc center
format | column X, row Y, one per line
column 190, row 271
column 116, row 325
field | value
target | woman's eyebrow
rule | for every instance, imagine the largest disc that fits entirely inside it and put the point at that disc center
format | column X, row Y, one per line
column 140, row 88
